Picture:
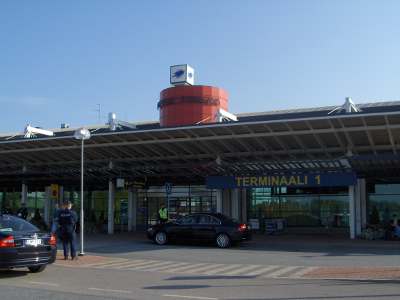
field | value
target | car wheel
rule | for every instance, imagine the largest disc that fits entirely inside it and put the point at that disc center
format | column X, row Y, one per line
column 37, row 269
column 223, row 240
column 161, row 238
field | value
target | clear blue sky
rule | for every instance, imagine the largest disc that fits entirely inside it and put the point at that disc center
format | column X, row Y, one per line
column 59, row 59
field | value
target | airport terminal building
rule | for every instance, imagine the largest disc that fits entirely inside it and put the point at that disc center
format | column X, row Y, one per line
column 319, row 169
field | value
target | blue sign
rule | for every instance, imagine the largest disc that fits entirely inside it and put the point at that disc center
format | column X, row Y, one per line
column 282, row 180
column 168, row 188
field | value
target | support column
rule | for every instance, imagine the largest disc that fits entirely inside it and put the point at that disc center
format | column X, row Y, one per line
column 47, row 205
column 363, row 200
column 357, row 206
column 24, row 193
column 130, row 209
column 92, row 200
column 61, row 194
column 219, row 201
column 235, row 204
column 244, row 205
column 111, row 200
column 352, row 215
column 226, row 202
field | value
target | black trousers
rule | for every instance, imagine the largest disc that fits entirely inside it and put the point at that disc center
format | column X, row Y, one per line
column 69, row 239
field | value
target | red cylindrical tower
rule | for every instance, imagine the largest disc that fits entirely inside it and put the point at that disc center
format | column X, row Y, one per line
column 189, row 105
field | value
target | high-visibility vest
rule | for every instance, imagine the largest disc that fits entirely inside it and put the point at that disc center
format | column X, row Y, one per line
column 163, row 213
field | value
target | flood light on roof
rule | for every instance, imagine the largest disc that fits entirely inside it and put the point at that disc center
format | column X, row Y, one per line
column 82, row 134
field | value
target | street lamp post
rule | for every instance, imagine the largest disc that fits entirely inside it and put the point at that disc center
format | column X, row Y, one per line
column 82, row 134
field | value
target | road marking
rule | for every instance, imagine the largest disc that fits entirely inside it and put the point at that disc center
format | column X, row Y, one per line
column 262, row 270
column 181, row 269
column 110, row 290
column 134, row 264
column 110, row 264
column 44, row 283
column 221, row 270
column 167, row 267
column 190, row 297
column 204, row 268
column 240, row 271
column 151, row 265
column 280, row 272
column 301, row 272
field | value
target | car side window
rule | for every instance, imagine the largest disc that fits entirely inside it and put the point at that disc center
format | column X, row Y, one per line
column 10, row 224
column 215, row 221
column 204, row 219
column 188, row 220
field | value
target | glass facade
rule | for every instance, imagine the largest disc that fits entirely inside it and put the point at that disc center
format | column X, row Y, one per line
column 182, row 201
column 301, row 207
column 11, row 201
column 385, row 200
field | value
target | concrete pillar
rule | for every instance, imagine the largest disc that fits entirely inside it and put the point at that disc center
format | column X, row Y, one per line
column 219, row 200
column 244, row 205
column 235, row 206
column 226, row 202
column 357, row 207
column 24, row 193
column 111, row 200
column 61, row 194
column 363, row 199
column 352, row 212
column 47, row 205
column 132, row 209
column 92, row 200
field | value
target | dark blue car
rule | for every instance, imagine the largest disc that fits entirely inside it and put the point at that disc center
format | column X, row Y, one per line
column 23, row 245
column 201, row 227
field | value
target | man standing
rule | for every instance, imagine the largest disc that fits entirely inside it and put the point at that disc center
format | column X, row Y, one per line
column 22, row 212
column 163, row 214
column 67, row 219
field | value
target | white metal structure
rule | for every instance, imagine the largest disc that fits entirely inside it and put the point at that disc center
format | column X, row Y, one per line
column 348, row 107
column 31, row 132
column 82, row 134
column 114, row 123
column 223, row 116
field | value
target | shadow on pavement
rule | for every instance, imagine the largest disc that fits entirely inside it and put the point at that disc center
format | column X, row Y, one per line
column 380, row 296
column 209, row 277
column 134, row 242
column 176, row 287
column 12, row 273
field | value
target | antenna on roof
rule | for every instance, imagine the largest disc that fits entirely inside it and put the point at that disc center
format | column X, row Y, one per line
column 348, row 107
column 114, row 123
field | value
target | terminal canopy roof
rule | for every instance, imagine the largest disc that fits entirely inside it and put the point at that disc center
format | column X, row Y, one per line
column 304, row 140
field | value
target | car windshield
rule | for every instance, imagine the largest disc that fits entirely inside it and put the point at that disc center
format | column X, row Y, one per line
column 11, row 224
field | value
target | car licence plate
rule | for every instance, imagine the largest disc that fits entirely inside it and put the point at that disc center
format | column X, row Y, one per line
column 33, row 242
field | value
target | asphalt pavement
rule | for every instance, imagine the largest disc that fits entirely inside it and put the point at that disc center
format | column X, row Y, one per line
column 59, row 282
column 128, row 266
column 286, row 250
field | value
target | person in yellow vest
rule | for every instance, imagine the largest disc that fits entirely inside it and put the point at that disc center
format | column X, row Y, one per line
column 163, row 214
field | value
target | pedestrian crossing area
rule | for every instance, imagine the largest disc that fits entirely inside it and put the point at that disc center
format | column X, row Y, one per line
column 182, row 268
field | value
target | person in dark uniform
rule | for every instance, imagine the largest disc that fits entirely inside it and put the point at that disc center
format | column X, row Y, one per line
column 67, row 219
column 22, row 212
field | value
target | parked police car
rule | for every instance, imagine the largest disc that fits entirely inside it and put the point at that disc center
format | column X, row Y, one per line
column 23, row 245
